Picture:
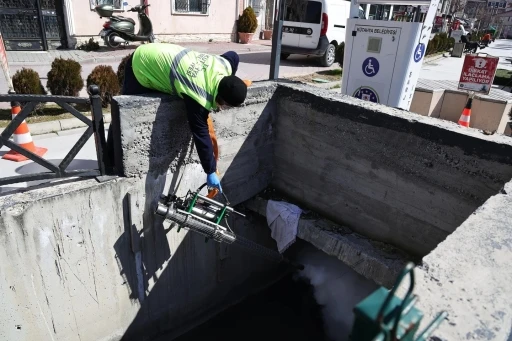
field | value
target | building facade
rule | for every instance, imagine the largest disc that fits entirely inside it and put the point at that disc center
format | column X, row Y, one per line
column 49, row 24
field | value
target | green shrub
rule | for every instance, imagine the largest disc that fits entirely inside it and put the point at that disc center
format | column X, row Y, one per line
column 64, row 78
column 27, row 82
column 440, row 43
column 106, row 79
column 247, row 22
column 451, row 43
column 443, row 42
column 340, row 52
column 120, row 70
column 502, row 77
column 91, row 45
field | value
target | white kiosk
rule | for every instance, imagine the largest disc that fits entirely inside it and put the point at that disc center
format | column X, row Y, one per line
column 383, row 58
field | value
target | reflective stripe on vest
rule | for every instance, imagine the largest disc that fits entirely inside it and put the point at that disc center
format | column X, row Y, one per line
column 205, row 98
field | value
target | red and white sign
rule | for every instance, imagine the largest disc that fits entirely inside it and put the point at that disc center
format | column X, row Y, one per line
column 478, row 73
column 439, row 21
column 5, row 64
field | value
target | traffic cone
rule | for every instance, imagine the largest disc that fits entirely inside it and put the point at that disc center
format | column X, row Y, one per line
column 466, row 114
column 23, row 139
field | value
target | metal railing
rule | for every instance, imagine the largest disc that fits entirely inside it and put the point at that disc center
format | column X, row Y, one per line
column 95, row 126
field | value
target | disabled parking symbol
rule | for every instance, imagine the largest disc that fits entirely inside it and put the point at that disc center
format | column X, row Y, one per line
column 419, row 52
column 370, row 66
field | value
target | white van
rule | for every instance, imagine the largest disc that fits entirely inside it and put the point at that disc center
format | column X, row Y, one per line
column 315, row 28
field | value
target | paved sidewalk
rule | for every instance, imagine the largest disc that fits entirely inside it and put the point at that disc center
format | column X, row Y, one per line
column 104, row 54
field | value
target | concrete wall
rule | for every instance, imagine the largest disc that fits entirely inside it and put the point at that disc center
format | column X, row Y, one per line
column 90, row 261
column 393, row 176
column 468, row 275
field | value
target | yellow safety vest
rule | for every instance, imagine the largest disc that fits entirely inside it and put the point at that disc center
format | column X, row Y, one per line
column 176, row 70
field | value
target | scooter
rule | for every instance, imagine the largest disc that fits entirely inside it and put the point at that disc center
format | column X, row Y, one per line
column 121, row 30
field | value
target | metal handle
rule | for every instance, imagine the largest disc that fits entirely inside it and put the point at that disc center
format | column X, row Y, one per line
column 223, row 194
column 408, row 269
column 425, row 334
column 213, row 202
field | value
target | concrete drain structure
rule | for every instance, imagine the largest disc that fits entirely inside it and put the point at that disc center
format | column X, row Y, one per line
column 90, row 261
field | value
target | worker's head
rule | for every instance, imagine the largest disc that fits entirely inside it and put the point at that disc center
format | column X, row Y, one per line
column 232, row 91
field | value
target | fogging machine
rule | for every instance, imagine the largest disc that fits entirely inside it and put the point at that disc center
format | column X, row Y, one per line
column 204, row 215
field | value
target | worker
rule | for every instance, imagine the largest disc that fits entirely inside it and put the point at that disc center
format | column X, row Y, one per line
column 471, row 46
column 486, row 39
column 204, row 81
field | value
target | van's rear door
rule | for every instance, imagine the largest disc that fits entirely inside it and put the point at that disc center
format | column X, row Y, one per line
column 302, row 23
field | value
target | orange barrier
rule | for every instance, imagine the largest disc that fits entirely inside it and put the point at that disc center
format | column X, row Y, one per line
column 466, row 114
column 22, row 138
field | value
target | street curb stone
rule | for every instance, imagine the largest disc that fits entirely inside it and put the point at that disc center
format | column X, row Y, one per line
column 58, row 125
column 117, row 58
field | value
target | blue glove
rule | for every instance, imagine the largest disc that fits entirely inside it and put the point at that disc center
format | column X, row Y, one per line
column 212, row 180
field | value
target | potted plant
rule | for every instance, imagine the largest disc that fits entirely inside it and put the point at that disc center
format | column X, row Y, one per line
column 267, row 33
column 247, row 24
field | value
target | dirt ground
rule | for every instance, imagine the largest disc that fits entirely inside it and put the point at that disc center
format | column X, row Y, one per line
column 327, row 76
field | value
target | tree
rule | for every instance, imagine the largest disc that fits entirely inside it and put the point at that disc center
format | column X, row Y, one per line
column 457, row 6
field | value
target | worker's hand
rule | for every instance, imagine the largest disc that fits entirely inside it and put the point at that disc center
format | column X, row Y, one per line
column 212, row 180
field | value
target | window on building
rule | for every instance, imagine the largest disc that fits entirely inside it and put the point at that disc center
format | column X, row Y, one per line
column 255, row 4
column 191, row 6
column 117, row 4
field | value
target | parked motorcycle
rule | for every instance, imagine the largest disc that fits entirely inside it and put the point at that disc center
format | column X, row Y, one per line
column 121, row 30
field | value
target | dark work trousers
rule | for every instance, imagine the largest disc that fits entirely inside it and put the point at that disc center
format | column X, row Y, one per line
column 131, row 86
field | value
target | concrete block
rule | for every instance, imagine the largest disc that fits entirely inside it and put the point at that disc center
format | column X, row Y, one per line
column 453, row 105
column 376, row 261
column 490, row 114
column 93, row 254
column 403, row 179
column 427, row 102
column 155, row 137
column 469, row 276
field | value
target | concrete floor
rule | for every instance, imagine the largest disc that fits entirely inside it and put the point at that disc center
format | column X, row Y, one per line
column 449, row 68
column 58, row 146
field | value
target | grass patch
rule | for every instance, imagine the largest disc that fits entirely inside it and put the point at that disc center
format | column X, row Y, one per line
column 334, row 72
column 502, row 77
column 50, row 112
column 333, row 75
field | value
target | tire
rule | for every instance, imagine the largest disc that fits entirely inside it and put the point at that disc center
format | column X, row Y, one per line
column 284, row 56
column 328, row 58
column 109, row 39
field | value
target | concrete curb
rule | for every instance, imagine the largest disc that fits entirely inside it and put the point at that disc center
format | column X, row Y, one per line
column 58, row 125
column 92, row 60
column 112, row 59
column 431, row 59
